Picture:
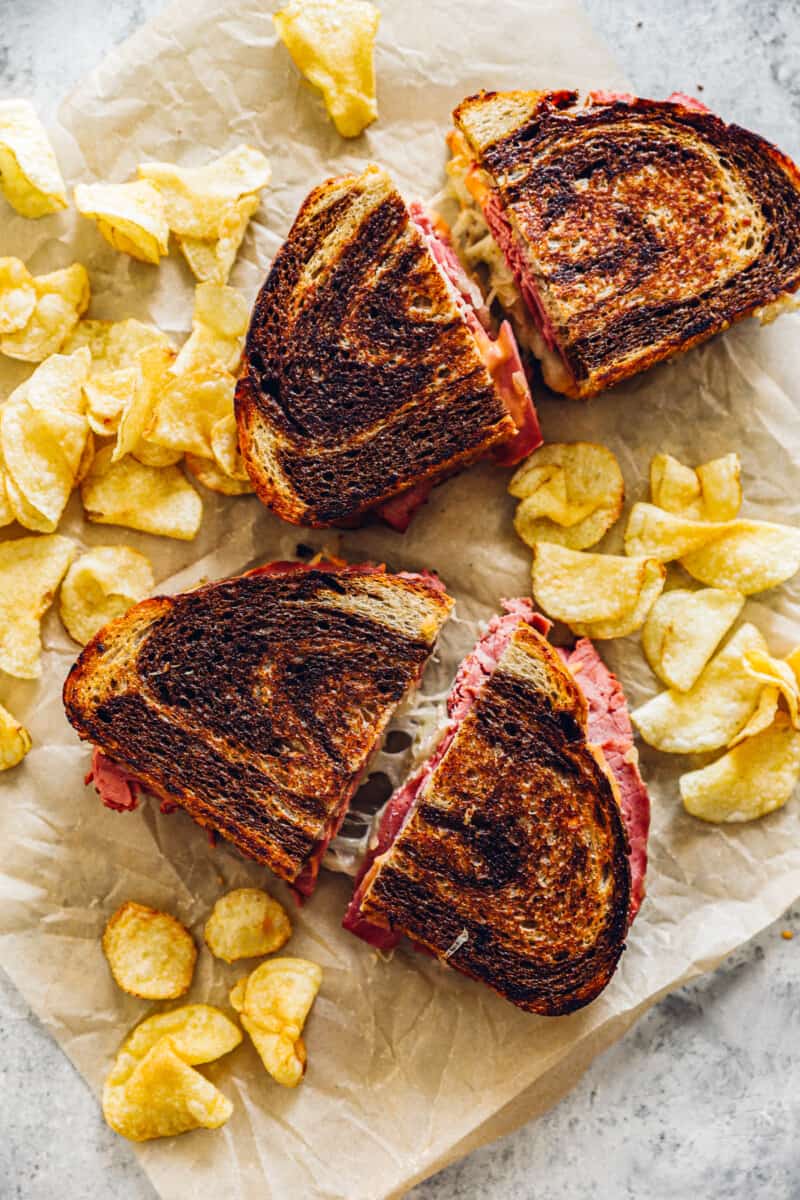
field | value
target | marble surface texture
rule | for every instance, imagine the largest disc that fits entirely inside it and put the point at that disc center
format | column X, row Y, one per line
column 701, row 1098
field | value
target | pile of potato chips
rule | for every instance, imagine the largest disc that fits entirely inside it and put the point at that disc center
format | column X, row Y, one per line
column 153, row 1089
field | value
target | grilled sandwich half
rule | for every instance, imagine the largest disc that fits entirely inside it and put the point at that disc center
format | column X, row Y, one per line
column 517, row 853
column 254, row 703
column 619, row 231
column 370, row 372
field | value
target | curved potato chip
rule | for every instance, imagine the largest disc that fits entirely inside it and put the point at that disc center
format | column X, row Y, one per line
column 793, row 659
column 749, row 781
column 87, row 458
column 220, row 320
column 332, row 42
column 571, row 493
column 100, row 585
column 634, row 617
column 61, row 297
column 189, row 407
column 150, row 455
column 750, row 556
column 574, row 586
column 113, row 344
column 29, row 174
column 710, row 493
column 15, row 741
column 660, row 534
column 17, row 295
column 31, row 569
column 108, row 396
column 713, row 710
column 28, row 516
column 277, row 1000
column 225, row 446
column 761, row 719
column 150, row 953
column 206, row 472
column 58, row 383
column 211, row 259
column 156, row 500
column 720, row 482
column 197, row 200
column 246, row 923
column 684, row 628
column 7, row 514
column 130, row 216
column 153, row 366
column 778, row 673
column 199, row 1033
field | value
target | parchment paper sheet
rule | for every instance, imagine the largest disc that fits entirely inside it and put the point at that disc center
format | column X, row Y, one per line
column 410, row 1065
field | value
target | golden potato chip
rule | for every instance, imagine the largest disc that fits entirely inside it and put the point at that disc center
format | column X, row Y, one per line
column 156, row 500
column 150, row 953
column 220, row 320
column 684, row 628
column 199, row 1033
column 6, row 511
column 211, row 259
column 720, row 483
column 31, row 569
column 198, row 200
column 762, row 717
column 793, row 660
column 711, row 493
column 776, row 672
column 633, row 618
column 108, row 396
column 206, row 472
column 189, row 407
column 57, row 384
column 150, row 455
column 660, row 534
column 61, row 297
column 332, row 42
column 582, row 588
column 246, row 923
column 273, row 1007
column 749, row 781
column 114, row 345
column 153, row 367
column 713, row 710
column 87, row 458
column 130, row 216
column 29, row 174
column 571, row 493
column 24, row 512
column 15, row 741
column 225, row 445
column 100, row 585
column 17, row 295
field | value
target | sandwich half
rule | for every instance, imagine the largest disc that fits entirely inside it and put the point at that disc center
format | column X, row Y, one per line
column 619, row 231
column 517, row 852
column 254, row 703
column 370, row 371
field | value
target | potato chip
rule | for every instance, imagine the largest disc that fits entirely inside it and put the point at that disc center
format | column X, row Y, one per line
column 15, row 741
column 29, row 173
column 113, row 345
column 711, row 712
column 762, row 717
column 6, row 511
column 245, row 923
column 225, row 445
column 273, row 1007
column 220, row 320
column 108, row 396
column 153, row 367
column 633, row 618
column 571, row 494
column 100, row 585
column 87, row 458
column 199, row 200
column 711, row 493
column 793, row 660
column 720, row 483
column 199, row 1033
column 211, row 259
column 17, row 295
column 130, row 216
column 684, row 628
column 776, row 672
column 207, row 473
column 189, row 407
column 150, row 455
column 581, row 588
column 749, row 781
column 150, row 953
column 332, row 42
column 61, row 297
column 153, row 499
column 24, row 512
column 31, row 569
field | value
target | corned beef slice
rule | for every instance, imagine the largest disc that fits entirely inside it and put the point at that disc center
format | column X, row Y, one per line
column 117, row 790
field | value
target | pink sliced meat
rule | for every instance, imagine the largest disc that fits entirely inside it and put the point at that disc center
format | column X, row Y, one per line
column 398, row 511
column 116, row 788
column 688, row 102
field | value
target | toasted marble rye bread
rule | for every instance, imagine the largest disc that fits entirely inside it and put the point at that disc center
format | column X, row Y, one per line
column 255, row 702
column 368, row 370
column 633, row 229
column 510, row 860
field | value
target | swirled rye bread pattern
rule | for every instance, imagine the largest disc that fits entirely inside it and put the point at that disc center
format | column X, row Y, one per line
column 255, row 702
column 633, row 228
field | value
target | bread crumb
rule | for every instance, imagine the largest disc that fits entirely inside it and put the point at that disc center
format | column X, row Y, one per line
column 787, row 934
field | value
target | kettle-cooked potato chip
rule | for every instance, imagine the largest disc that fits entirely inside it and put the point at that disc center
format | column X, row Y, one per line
column 207, row 473
column 749, row 781
column 713, row 710
column 225, row 445
column 130, row 216
column 571, row 493
column 15, row 741
column 29, row 174
column 61, row 297
column 720, row 484
column 219, row 323
column 31, row 569
column 710, row 493
column 100, row 585
column 762, row 717
column 153, row 366
column 776, row 672
column 333, row 42
column 246, row 923
column 198, row 200
column 273, row 1006
column 156, row 500
column 188, row 408
column 211, row 259
column 199, row 1033
column 151, row 954
column 606, row 593
column 684, row 628
column 17, row 295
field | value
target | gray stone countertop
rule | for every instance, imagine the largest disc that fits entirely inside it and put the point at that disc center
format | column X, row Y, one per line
column 701, row 1098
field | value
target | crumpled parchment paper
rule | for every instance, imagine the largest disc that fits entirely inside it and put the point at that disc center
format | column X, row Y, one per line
column 410, row 1064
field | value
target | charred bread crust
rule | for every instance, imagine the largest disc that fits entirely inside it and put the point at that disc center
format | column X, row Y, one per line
column 360, row 375
column 517, row 842
column 255, row 702
column 648, row 226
